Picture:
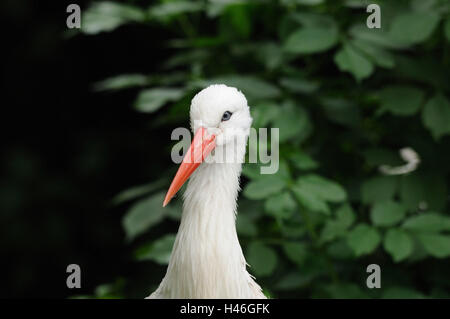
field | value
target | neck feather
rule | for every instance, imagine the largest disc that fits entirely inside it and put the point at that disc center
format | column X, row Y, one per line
column 207, row 260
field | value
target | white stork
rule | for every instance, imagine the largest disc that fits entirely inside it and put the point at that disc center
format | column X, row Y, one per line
column 207, row 260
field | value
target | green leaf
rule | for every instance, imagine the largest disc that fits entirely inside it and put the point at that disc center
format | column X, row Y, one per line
column 296, row 252
column 284, row 171
column 252, row 171
column 435, row 244
column 350, row 60
column 293, row 281
column 376, row 54
column 424, row 5
column 436, row 116
column 314, row 191
column 402, row 293
column 107, row 16
column 171, row 8
column 264, row 113
column 292, row 230
column 310, row 201
column 401, row 100
column 261, row 258
column 322, row 187
column 270, row 54
column 314, row 20
column 261, row 188
column 185, row 58
column 291, row 121
column 311, row 40
column 174, row 210
column 301, row 86
column 280, row 205
column 427, row 222
column 398, row 243
column 333, row 229
column 143, row 215
column 303, row 161
column 137, row 191
column 413, row 27
column 245, row 225
column 109, row 291
column 345, row 290
column 123, row 81
column 380, row 188
column 151, row 100
column 159, row 250
column 377, row 37
column 345, row 215
column 339, row 249
column 363, row 239
column 387, row 213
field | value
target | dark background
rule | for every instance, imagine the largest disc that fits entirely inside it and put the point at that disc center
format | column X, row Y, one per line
column 67, row 150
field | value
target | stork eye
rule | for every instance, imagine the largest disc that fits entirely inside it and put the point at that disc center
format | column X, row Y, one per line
column 226, row 116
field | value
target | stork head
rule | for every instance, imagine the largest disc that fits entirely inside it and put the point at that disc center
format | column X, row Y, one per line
column 222, row 110
column 220, row 120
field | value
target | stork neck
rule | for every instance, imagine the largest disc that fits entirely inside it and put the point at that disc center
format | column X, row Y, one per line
column 209, row 207
column 207, row 260
column 212, row 190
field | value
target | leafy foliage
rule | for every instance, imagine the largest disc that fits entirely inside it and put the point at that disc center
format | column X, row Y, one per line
column 346, row 98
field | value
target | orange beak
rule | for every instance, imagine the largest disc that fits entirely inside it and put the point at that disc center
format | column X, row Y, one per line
column 200, row 148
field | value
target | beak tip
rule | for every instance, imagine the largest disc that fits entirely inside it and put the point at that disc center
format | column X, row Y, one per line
column 166, row 200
